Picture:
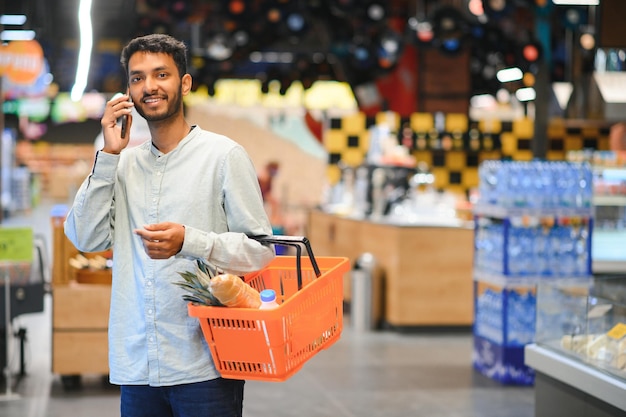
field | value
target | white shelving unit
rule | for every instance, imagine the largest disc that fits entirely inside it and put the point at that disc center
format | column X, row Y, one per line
column 609, row 236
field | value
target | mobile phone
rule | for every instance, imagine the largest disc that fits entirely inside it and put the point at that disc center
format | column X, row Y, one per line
column 124, row 126
column 125, row 121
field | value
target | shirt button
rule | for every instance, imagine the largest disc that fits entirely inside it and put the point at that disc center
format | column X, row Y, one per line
column 159, row 173
column 150, row 311
column 149, row 283
column 151, row 339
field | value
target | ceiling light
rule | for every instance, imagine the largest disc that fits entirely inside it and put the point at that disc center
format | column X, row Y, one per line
column 389, row 49
column 236, row 7
column 526, row 94
column 17, row 35
column 84, row 54
column 497, row 9
column 482, row 101
column 503, row 96
column 576, row 2
column 376, row 12
column 497, row 5
column 451, row 45
column 530, row 52
column 587, row 41
column 476, row 7
column 12, row 19
column 220, row 47
column 296, row 22
column 509, row 74
column 241, row 37
column 529, row 79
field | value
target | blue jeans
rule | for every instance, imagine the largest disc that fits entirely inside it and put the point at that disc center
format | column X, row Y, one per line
column 215, row 398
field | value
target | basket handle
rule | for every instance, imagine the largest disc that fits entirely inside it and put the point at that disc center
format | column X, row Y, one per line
column 296, row 242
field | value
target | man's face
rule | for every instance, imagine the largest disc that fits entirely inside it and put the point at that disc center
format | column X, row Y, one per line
column 155, row 85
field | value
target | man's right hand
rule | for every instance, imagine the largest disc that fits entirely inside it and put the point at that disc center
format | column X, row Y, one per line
column 115, row 108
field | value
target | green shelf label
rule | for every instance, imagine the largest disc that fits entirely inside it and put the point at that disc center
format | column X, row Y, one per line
column 16, row 244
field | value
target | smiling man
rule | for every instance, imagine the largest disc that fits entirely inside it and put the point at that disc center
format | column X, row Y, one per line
column 183, row 195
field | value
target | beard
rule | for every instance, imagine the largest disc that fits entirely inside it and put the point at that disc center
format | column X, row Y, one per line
column 174, row 105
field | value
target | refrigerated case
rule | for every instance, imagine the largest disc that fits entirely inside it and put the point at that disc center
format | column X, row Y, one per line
column 579, row 354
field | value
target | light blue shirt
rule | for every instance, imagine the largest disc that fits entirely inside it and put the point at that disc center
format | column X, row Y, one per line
column 207, row 183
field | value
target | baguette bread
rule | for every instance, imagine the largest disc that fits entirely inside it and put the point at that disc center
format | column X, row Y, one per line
column 232, row 291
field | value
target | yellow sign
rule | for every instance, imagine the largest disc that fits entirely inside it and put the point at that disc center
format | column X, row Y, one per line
column 21, row 61
column 618, row 331
column 16, row 244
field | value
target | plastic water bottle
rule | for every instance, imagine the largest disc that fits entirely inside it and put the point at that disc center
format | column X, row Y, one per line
column 268, row 300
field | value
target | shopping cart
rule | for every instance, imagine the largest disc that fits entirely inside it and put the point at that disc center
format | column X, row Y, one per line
column 272, row 345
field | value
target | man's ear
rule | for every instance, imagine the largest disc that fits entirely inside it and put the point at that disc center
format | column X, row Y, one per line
column 186, row 84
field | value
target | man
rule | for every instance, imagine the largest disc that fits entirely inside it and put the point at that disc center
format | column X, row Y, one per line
column 185, row 194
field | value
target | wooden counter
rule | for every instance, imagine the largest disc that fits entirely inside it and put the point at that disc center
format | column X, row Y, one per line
column 79, row 329
column 80, row 314
column 427, row 270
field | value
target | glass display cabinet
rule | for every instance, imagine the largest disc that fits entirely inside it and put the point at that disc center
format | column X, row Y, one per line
column 579, row 354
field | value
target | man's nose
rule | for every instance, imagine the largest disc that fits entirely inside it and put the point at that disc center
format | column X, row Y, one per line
column 150, row 84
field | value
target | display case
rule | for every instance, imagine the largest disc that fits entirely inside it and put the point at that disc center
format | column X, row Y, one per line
column 585, row 321
column 579, row 354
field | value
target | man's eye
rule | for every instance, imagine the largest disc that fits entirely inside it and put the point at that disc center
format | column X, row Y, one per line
column 162, row 75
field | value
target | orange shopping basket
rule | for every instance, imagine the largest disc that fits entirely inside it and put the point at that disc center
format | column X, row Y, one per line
column 272, row 345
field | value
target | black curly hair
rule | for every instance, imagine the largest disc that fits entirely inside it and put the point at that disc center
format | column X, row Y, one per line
column 156, row 43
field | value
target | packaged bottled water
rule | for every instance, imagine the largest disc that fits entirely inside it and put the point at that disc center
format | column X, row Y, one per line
column 545, row 207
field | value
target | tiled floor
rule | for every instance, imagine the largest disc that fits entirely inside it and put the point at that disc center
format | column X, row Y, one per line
column 365, row 374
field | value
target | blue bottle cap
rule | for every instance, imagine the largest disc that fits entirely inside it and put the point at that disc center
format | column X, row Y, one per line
column 268, row 295
column 58, row 210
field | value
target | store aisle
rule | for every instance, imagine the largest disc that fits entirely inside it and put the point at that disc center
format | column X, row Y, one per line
column 384, row 373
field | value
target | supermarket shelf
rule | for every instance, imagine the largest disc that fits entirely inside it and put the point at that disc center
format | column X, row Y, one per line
column 506, row 281
column 609, row 200
column 504, row 212
column 608, row 267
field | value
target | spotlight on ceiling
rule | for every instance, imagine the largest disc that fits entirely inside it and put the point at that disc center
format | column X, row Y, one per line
column 422, row 29
column 296, row 22
column 220, row 47
column 236, row 7
column 576, row 2
column 526, row 94
column 361, row 55
column 12, row 19
column 497, row 9
column 376, row 11
column 274, row 15
column 587, row 40
column 449, row 28
column 529, row 55
column 507, row 75
column 389, row 49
